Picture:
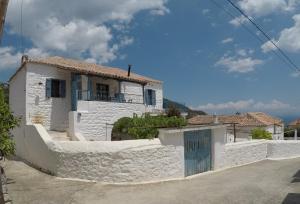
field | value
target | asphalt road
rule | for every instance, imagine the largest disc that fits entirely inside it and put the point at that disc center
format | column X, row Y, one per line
column 261, row 182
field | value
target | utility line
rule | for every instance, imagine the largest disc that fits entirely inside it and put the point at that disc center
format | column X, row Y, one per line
column 253, row 34
column 266, row 35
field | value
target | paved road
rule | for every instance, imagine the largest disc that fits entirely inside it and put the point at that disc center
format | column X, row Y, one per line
column 262, row 182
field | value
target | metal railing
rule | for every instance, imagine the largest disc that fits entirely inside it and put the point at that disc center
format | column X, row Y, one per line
column 86, row 95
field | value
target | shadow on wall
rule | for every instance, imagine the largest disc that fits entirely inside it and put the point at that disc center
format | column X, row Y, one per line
column 59, row 115
column 296, row 177
column 292, row 198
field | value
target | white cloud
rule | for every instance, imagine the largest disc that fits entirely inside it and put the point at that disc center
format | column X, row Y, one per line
column 274, row 106
column 79, row 28
column 205, row 11
column 289, row 38
column 240, row 64
column 267, row 47
column 227, row 40
column 238, row 21
column 11, row 59
column 265, row 7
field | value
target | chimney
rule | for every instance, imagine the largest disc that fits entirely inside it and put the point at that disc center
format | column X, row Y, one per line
column 216, row 119
column 129, row 69
column 24, row 59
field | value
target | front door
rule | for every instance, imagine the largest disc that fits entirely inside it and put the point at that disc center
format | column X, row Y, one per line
column 197, row 151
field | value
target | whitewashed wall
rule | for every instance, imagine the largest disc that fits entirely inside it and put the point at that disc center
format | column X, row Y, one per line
column 52, row 112
column 283, row 149
column 117, row 162
column 245, row 152
column 95, row 118
column 159, row 96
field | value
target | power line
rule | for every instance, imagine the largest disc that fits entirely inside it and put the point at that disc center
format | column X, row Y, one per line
column 266, row 35
column 253, row 34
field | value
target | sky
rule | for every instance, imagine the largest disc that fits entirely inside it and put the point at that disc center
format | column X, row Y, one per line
column 207, row 54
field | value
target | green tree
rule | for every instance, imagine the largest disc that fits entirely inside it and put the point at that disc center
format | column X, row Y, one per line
column 145, row 127
column 173, row 111
column 259, row 133
column 7, row 123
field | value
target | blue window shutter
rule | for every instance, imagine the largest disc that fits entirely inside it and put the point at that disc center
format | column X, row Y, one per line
column 48, row 87
column 153, row 102
column 62, row 88
column 147, row 96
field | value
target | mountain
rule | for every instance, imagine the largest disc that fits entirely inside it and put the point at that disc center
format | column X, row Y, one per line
column 183, row 109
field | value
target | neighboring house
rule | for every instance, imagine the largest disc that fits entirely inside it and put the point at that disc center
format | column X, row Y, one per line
column 294, row 124
column 241, row 125
column 80, row 98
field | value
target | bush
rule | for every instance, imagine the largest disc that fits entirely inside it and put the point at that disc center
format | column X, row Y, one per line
column 145, row 127
column 259, row 133
column 173, row 111
column 7, row 123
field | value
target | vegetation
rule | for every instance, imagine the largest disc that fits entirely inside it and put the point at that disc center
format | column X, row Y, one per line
column 259, row 133
column 173, row 111
column 7, row 123
column 5, row 88
column 182, row 108
column 145, row 127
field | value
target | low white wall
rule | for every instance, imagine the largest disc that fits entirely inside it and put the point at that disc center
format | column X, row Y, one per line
column 117, row 162
column 137, row 160
column 34, row 145
column 245, row 152
column 95, row 118
column 283, row 149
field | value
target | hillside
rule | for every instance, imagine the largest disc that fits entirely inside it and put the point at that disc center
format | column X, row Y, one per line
column 182, row 108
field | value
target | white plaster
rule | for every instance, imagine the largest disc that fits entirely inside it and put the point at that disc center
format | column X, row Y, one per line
column 245, row 152
column 96, row 118
column 283, row 149
column 52, row 112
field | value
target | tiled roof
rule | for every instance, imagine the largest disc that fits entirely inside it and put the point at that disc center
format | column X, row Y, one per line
column 295, row 122
column 265, row 118
column 89, row 68
column 248, row 119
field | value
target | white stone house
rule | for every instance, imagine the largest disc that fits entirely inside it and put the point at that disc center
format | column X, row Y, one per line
column 240, row 126
column 78, row 98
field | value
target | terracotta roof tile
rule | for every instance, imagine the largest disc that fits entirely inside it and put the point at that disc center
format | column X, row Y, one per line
column 89, row 68
column 248, row 119
column 295, row 122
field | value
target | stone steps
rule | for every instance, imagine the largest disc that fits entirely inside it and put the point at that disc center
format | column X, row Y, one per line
column 59, row 136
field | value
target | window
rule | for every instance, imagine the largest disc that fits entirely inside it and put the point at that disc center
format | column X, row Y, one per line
column 150, row 97
column 102, row 92
column 55, row 88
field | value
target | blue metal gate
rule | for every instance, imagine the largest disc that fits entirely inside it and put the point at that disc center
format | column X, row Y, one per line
column 197, row 151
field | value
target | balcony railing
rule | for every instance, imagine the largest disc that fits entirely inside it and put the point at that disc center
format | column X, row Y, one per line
column 118, row 97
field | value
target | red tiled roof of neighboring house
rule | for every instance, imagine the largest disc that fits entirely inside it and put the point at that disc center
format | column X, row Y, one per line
column 248, row 119
column 90, row 68
column 265, row 118
column 295, row 122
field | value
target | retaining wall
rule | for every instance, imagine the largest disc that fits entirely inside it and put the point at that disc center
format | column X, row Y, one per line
column 137, row 160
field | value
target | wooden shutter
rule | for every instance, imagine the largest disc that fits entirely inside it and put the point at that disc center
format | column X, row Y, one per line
column 62, row 88
column 153, row 93
column 48, row 87
column 147, row 96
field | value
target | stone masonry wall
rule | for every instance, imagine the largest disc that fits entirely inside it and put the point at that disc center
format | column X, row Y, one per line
column 97, row 117
column 150, row 161
column 245, row 152
column 51, row 112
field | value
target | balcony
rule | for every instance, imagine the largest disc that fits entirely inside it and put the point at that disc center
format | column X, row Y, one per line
column 117, row 97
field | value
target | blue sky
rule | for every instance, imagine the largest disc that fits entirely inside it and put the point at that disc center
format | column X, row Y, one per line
column 206, row 59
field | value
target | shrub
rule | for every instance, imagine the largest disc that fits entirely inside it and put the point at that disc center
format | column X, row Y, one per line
column 145, row 127
column 7, row 123
column 173, row 111
column 259, row 133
